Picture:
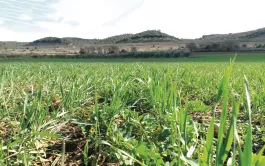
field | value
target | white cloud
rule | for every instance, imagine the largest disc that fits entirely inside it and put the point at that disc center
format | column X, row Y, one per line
column 14, row 20
column 58, row 29
column 37, row 0
column 191, row 19
column 95, row 11
column 184, row 19
column 25, row 17
column 8, row 35
column 1, row 22
column 31, row 3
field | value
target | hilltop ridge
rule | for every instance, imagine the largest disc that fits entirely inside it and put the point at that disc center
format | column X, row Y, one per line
column 146, row 36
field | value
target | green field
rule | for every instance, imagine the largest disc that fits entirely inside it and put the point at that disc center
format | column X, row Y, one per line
column 157, row 112
column 196, row 57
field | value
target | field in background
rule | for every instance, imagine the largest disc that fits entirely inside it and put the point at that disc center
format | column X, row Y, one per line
column 196, row 57
column 53, row 49
column 22, row 48
column 130, row 111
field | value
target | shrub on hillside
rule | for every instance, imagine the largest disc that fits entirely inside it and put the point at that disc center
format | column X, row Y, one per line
column 87, row 50
column 113, row 49
column 187, row 54
column 82, row 50
column 176, row 54
column 260, row 46
column 229, row 45
column 224, row 46
column 215, row 46
column 244, row 45
column 123, row 51
column 191, row 46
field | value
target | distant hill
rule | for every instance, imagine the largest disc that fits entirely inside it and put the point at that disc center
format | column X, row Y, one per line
column 11, row 44
column 80, row 41
column 49, row 40
column 152, row 36
column 114, row 39
column 146, row 36
column 255, row 35
column 62, row 41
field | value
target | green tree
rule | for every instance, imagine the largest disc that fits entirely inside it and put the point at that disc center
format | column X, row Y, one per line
column 244, row 45
column 191, row 46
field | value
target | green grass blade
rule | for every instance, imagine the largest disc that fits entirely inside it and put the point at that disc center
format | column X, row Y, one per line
column 234, row 117
column 208, row 149
column 225, row 148
column 220, row 154
column 258, row 159
column 85, row 154
column 247, row 154
column 248, row 100
column 225, row 79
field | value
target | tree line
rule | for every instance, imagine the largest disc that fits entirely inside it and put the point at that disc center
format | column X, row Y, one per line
column 225, row 46
column 113, row 51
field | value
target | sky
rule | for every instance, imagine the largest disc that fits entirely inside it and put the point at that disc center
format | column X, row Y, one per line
column 28, row 20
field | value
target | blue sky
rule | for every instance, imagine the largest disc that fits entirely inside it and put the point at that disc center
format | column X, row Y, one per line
column 27, row 20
